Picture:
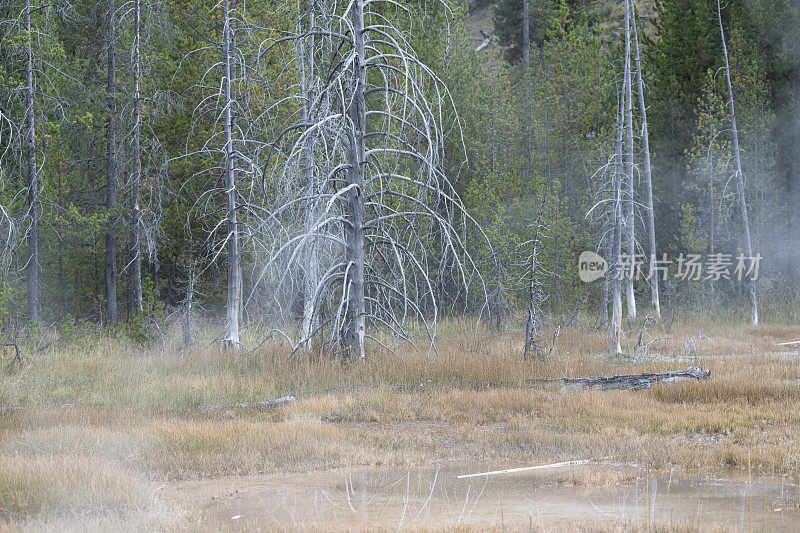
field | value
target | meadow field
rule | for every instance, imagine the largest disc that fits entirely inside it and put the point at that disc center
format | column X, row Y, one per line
column 97, row 433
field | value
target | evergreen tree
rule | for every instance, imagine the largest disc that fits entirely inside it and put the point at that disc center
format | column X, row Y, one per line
column 508, row 24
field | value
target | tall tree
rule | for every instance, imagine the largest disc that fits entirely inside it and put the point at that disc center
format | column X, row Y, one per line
column 308, row 84
column 387, row 202
column 741, row 193
column 630, row 219
column 682, row 50
column 111, row 166
column 647, row 170
column 7, row 223
column 510, row 18
column 233, row 305
column 34, row 265
column 615, row 269
column 134, row 236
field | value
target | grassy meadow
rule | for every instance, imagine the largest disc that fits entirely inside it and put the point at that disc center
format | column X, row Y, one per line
column 94, row 432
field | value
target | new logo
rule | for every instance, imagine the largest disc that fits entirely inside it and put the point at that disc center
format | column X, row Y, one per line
column 591, row 266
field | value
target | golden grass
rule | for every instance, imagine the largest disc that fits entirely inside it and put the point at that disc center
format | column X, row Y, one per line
column 88, row 432
column 44, row 484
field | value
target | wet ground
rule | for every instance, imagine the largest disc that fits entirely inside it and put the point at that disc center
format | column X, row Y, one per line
column 434, row 498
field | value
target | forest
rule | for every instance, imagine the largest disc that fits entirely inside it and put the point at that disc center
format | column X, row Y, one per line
column 267, row 262
column 196, row 162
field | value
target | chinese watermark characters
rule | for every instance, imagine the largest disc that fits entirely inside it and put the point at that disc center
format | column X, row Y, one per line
column 683, row 267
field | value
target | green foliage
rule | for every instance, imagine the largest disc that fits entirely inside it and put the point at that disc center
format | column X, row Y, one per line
column 711, row 221
column 508, row 24
column 139, row 327
column 527, row 136
column 6, row 297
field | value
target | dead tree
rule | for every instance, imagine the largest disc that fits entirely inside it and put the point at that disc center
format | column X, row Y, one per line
column 34, row 266
column 609, row 205
column 309, row 84
column 644, row 380
column 111, row 166
column 741, row 193
column 8, row 226
column 533, row 321
column 630, row 228
column 26, row 20
column 646, row 168
column 25, row 33
column 139, row 144
column 134, row 235
column 615, row 268
column 385, row 202
column 487, row 40
column 233, row 306
column 187, row 305
column 222, row 92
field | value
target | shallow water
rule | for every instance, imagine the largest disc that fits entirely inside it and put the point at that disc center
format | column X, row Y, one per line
column 595, row 494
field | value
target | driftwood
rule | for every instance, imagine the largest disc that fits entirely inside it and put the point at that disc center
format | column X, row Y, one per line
column 526, row 468
column 250, row 405
column 636, row 381
column 788, row 343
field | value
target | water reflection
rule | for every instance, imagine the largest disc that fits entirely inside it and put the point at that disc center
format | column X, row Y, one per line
column 594, row 494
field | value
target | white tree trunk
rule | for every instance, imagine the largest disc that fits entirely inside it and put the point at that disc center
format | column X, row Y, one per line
column 311, row 267
column 614, row 264
column 740, row 186
column 34, row 267
column 134, row 244
column 532, row 324
column 609, row 251
column 233, row 306
column 354, row 320
column 630, row 215
column 648, row 176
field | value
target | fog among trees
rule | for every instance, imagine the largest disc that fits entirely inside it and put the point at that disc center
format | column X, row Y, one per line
column 341, row 176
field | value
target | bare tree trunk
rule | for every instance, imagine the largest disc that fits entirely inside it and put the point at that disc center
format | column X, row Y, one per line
column 712, row 243
column 187, row 307
column 648, row 175
column 232, row 308
column 606, row 285
column 134, row 244
column 111, row 170
column 616, row 284
column 354, row 320
column 740, row 187
column 311, row 267
column 532, row 324
column 630, row 220
column 34, row 267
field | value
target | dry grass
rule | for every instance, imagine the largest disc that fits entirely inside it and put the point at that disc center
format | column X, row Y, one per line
column 88, row 433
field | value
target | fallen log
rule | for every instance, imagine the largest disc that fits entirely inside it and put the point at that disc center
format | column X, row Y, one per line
column 487, row 38
column 266, row 403
column 788, row 343
column 526, row 468
column 250, row 405
column 636, row 381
